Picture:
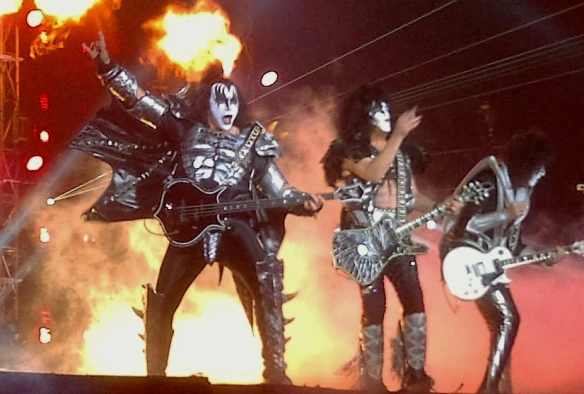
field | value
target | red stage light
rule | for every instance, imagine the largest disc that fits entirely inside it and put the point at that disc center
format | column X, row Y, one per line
column 44, row 101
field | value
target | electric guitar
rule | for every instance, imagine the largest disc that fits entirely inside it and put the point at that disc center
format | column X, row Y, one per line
column 469, row 273
column 186, row 212
column 363, row 254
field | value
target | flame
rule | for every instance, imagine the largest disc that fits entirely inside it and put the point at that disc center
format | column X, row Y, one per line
column 8, row 7
column 212, row 335
column 63, row 11
column 192, row 39
column 60, row 16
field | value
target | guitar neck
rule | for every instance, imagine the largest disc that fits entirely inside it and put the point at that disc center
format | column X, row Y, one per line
column 251, row 205
column 526, row 260
column 433, row 214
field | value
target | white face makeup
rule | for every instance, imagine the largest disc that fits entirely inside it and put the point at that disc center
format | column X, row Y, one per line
column 380, row 116
column 224, row 105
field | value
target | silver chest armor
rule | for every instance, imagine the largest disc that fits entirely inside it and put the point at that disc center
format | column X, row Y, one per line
column 215, row 156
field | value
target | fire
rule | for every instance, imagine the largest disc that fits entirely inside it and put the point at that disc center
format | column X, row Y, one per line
column 8, row 7
column 60, row 16
column 212, row 335
column 194, row 38
column 63, row 11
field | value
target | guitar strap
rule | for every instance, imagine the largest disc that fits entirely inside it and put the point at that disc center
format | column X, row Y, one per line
column 246, row 148
column 401, row 210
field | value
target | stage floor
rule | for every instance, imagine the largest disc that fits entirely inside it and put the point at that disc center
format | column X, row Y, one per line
column 40, row 383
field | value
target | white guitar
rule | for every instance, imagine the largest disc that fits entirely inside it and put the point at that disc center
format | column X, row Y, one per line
column 468, row 273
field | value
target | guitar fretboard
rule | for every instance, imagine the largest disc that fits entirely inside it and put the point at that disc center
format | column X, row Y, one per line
column 248, row 205
column 525, row 260
column 433, row 214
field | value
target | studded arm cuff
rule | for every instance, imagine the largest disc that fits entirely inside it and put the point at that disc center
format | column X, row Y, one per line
column 274, row 184
column 124, row 87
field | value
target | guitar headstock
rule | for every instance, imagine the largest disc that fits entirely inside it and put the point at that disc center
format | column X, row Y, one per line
column 349, row 193
column 577, row 248
column 475, row 192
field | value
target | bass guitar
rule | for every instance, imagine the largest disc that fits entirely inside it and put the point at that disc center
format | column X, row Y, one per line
column 186, row 212
column 469, row 273
column 363, row 254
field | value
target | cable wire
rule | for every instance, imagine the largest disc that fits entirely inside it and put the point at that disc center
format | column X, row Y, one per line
column 410, row 23
column 572, row 44
column 571, row 72
column 477, row 43
column 445, row 55
column 71, row 192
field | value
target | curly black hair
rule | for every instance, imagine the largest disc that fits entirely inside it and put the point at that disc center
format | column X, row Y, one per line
column 354, row 141
column 525, row 153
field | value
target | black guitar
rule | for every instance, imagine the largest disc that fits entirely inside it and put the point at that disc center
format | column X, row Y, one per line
column 186, row 212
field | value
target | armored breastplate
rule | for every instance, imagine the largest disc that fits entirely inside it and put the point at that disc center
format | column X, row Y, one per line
column 214, row 156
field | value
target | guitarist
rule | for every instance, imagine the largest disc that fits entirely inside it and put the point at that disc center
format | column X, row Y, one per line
column 369, row 151
column 204, row 135
column 497, row 221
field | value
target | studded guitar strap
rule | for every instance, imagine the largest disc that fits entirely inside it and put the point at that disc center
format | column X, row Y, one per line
column 246, row 148
column 401, row 210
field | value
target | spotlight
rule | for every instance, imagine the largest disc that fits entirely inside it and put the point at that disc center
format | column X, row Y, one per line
column 44, row 235
column 431, row 225
column 34, row 163
column 269, row 78
column 44, row 136
column 34, row 18
column 45, row 335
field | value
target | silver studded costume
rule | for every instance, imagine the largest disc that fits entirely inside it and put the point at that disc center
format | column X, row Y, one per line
column 402, row 272
column 149, row 140
column 485, row 226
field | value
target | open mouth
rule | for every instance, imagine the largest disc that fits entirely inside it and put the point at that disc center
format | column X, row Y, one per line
column 227, row 119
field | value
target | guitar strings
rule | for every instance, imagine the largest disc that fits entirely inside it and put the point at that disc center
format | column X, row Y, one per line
column 211, row 209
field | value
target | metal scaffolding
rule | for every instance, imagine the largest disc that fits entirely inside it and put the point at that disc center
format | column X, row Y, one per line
column 10, row 132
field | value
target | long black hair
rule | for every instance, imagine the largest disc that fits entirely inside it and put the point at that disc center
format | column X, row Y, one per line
column 354, row 140
column 525, row 153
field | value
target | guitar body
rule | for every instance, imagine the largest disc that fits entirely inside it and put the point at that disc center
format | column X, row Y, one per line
column 186, row 226
column 468, row 272
column 363, row 254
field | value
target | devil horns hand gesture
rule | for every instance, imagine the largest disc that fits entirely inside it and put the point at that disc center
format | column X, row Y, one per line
column 98, row 51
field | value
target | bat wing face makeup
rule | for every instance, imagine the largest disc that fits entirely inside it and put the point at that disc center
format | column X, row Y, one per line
column 224, row 105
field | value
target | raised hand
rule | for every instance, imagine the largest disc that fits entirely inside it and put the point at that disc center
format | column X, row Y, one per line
column 407, row 121
column 98, row 50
